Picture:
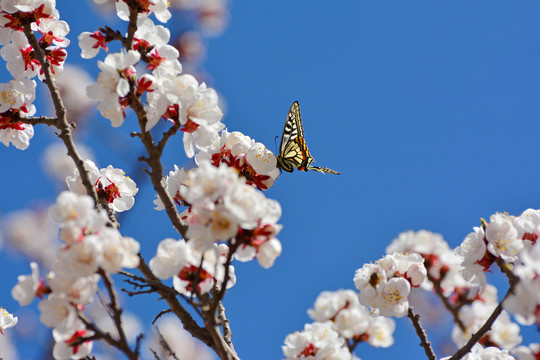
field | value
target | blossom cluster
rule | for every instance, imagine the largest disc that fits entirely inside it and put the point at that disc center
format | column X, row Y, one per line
column 385, row 286
column 23, row 64
column 193, row 271
column 252, row 160
column 341, row 323
column 111, row 185
column 460, row 274
column 316, row 341
column 510, row 240
column 489, row 353
column 441, row 263
column 348, row 323
column 89, row 246
column 222, row 207
column 170, row 95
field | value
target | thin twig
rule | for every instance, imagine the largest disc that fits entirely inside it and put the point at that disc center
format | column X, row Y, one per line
column 424, row 342
column 169, row 295
column 165, row 345
column 167, row 135
column 160, row 314
column 227, row 334
column 45, row 120
column 451, row 309
column 107, row 337
column 116, row 311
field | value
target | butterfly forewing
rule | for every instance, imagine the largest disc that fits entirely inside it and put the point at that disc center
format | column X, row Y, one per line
column 292, row 128
column 293, row 150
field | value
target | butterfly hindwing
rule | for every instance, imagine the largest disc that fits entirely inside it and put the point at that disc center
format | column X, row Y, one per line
column 293, row 150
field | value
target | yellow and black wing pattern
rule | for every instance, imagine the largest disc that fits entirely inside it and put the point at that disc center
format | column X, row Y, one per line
column 293, row 151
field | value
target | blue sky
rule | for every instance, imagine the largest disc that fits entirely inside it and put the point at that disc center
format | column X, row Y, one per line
column 428, row 109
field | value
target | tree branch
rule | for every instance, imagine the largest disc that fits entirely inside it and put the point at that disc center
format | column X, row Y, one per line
column 61, row 122
column 486, row 327
column 451, row 309
column 424, row 342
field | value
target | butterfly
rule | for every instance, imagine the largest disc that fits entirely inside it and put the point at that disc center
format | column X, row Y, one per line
column 293, row 151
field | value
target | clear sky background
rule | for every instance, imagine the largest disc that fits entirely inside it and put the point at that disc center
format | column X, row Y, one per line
column 430, row 110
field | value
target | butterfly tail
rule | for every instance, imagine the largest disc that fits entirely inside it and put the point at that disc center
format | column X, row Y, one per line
column 323, row 170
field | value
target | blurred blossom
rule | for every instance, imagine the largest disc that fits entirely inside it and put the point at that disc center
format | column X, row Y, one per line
column 212, row 15
column 191, row 47
column 8, row 348
column 58, row 164
column 33, row 233
column 130, row 322
column 531, row 352
column 27, row 286
column 182, row 343
column 72, row 84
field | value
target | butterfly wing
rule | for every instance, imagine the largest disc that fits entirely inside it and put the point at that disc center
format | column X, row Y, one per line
column 290, row 152
column 293, row 150
column 290, row 130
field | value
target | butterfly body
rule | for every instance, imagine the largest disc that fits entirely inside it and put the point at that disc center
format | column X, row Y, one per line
column 293, row 150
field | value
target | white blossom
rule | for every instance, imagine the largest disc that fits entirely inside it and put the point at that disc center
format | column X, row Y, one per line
column 113, row 85
column 7, row 320
column 57, row 312
column 54, row 31
column 12, row 6
column 119, row 190
column 158, row 7
column 26, row 289
column 149, row 32
column 474, row 257
column 316, row 341
column 179, row 260
column 385, row 285
column 489, row 353
column 18, row 64
column 254, row 162
column 170, row 258
column 72, row 209
column 63, row 340
column 74, row 182
column 173, row 182
column 503, row 238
